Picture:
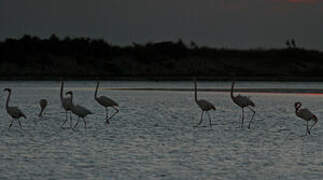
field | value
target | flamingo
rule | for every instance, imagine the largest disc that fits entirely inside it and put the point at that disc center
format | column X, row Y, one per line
column 243, row 101
column 67, row 104
column 13, row 111
column 106, row 103
column 42, row 103
column 204, row 105
column 306, row 115
column 78, row 110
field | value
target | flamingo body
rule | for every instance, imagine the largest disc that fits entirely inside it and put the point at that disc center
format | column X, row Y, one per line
column 106, row 103
column 66, row 104
column 204, row 105
column 242, row 102
column 78, row 110
column 306, row 115
column 13, row 111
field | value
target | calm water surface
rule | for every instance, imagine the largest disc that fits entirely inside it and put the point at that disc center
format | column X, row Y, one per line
column 153, row 136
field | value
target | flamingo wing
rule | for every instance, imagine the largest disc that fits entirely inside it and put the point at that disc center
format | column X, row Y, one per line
column 80, row 111
column 205, row 105
column 305, row 114
column 244, row 101
column 105, row 101
column 15, row 112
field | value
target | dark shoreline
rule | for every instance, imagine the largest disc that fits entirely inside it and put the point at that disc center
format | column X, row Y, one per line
column 32, row 58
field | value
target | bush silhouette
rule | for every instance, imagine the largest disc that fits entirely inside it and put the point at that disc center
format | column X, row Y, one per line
column 33, row 58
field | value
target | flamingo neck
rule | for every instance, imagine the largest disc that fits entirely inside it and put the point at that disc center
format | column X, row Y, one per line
column 8, row 99
column 231, row 93
column 61, row 92
column 72, row 98
column 195, row 90
column 96, row 91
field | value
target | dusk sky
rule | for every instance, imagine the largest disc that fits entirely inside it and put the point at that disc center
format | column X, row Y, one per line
column 216, row 23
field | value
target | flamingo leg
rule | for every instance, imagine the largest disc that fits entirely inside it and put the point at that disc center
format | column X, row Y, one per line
column 116, row 111
column 77, row 122
column 210, row 120
column 201, row 120
column 242, row 118
column 84, row 123
column 19, row 123
column 254, row 112
column 107, row 115
column 41, row 113
column 11, row 123
column 312, row 127
column 307, row 128
column 71, row 122
column 65, row 120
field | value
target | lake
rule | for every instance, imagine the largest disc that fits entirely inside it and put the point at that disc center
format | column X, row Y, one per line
column 152, row 137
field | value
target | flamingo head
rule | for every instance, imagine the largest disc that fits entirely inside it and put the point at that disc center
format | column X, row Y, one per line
column 69, row 92
column 298, row 105
column 7, row 89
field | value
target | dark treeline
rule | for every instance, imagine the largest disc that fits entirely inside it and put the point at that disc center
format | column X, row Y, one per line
column 83, row 58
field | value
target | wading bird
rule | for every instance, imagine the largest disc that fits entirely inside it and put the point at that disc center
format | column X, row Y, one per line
column 306, row 115
column 42, row 103
column 67, row 104
column 78, row 110
column 204, row 105
column 106, row 103
column 13, row 111
column 243, row 101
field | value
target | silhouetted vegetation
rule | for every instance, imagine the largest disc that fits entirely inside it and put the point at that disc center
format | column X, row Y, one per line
column 83, row 58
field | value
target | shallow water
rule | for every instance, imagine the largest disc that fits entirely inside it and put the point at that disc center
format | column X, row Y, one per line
column 153, row 135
